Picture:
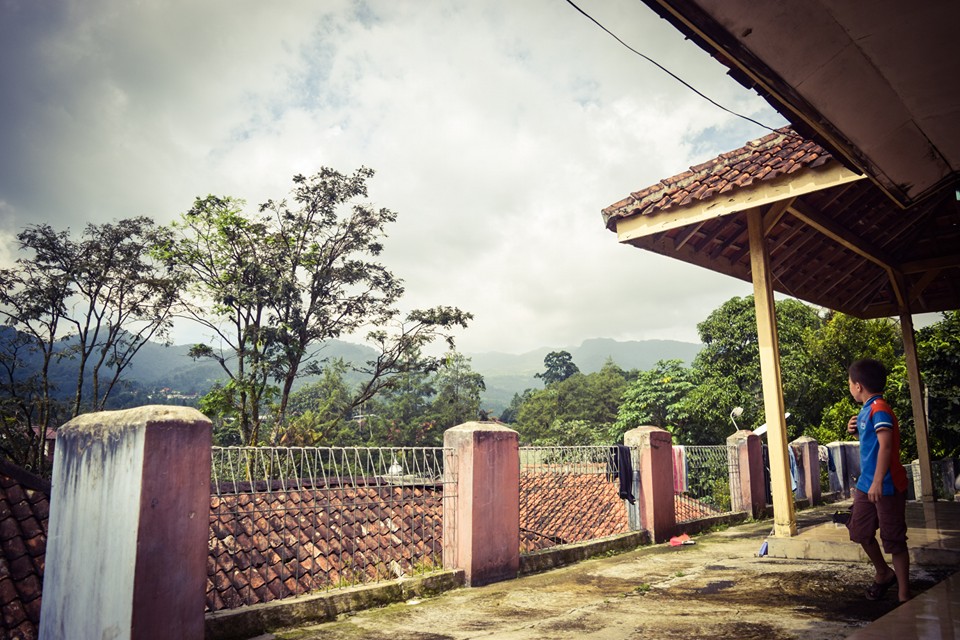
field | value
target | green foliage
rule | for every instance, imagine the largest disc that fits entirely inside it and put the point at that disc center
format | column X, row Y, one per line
column 727, row 370
column 458, row 393
column 558, row 366
column 582, row 406
column 512, row 412
column 655, row 398
column 938, row 347
column 833, row 424
column 319, row 412
column 218, row 404
column 93, row 301
column 272, row 286
column 414, row 409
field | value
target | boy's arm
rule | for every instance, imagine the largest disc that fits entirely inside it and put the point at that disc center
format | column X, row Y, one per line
column 884, row 449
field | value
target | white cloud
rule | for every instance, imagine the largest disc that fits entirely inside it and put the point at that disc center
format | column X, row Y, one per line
column 498, row 132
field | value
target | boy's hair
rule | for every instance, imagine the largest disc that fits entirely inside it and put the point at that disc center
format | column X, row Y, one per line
column 870, row 373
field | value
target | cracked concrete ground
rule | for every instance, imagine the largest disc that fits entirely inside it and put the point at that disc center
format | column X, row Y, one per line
column 717, row 589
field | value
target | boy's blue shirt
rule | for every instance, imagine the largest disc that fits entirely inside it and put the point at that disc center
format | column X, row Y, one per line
column 874, row 417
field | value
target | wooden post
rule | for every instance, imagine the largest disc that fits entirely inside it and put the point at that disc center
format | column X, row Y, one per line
column 784, row 516
column 916, row 402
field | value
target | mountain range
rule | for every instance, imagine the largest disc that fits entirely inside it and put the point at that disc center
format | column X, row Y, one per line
column 506, row 374
column 158, row 366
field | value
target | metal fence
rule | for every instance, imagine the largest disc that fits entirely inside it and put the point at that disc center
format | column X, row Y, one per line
column 702, row 479
column 286, row 521
column 570, row 494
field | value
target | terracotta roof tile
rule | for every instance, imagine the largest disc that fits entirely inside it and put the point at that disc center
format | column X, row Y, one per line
column 24, row 512
column 266, row 546
column 766, row 158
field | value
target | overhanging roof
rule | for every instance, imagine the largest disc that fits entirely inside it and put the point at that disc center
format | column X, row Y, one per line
column 875, row 82
column 835, row 239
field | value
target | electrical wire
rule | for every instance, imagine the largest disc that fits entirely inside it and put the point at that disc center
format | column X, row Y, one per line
column 672, row 74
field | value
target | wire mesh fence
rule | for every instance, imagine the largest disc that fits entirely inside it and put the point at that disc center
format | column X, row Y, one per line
column 703, row 476
column 286, row 521
column 571, row 494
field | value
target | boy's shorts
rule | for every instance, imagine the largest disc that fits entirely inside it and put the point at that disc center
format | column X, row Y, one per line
column 888, row 515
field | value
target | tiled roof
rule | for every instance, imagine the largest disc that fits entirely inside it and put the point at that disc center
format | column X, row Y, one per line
column 273, row 544
column 688, row 509
column 24, row 511
column 269, row 544
column 558, row 508
column 766, row 158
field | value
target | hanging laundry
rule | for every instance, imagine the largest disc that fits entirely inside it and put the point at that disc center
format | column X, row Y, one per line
column 792, row 457
column 625, row 471
column 679, row 469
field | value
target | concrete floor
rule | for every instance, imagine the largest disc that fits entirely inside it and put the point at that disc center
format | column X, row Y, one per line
column 933, row 532
column 718, row 589
column 934, row 538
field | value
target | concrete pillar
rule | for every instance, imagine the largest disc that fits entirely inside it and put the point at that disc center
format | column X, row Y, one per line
column 748, row 491
column 845, row 460
column 808, row 481
column 656, row 502
column 129, row 520
column 836, row 467
column 481, row 533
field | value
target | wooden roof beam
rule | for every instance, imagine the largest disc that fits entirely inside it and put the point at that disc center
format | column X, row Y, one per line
column 943, row 262
column 760, row 194
column 841, row 236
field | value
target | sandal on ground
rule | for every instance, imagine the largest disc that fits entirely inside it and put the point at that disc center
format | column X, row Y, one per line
column 876, row 590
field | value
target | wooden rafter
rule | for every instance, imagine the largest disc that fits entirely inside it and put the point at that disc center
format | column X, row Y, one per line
column 758, row 195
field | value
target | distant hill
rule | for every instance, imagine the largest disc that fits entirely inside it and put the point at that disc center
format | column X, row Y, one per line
column 506, row 374
column 158, row 366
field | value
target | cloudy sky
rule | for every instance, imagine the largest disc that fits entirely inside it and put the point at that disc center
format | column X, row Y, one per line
column 497, row 130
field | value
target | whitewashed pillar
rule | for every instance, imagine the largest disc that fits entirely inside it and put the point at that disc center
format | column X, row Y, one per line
column 129, row 520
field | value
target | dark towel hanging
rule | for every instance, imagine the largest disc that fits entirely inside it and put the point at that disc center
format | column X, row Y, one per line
column 625, row 469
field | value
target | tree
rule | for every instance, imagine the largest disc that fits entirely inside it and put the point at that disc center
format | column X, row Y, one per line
column 727, row 369
column 558, row 367
column 537, row 415
column 96, row 301
column 604, row 394
column 125, row 299
column 320, row 412
column 655, row 398
column 404, row 410
column 580, row 409
column 512, row 412
column 938, row 347
column 228, row 264
column 33, row 301
column 458, row 392
column 830, row 350
column 273, row 287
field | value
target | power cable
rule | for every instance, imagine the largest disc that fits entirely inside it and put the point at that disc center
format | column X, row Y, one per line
column 673, row 75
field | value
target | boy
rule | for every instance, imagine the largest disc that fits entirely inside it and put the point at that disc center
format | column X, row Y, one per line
column 881, row 495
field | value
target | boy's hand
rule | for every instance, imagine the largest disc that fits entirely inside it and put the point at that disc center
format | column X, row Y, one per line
column 852, row 426
column 876, row 490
